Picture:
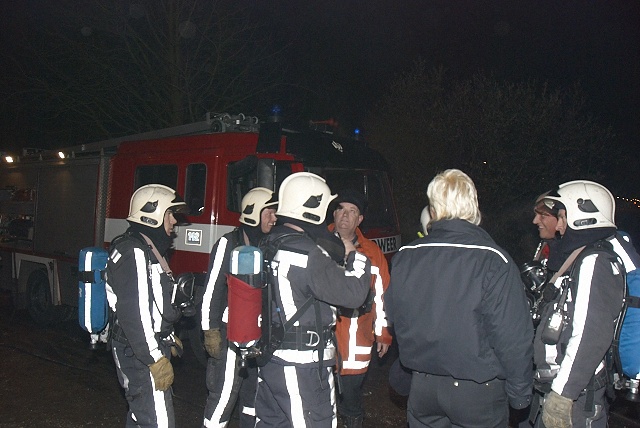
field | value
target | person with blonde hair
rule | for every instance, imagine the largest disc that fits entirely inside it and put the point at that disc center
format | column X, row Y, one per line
column 460, row 316
column 452, row 195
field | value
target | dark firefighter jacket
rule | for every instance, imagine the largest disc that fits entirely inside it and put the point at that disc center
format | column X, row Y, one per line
column 139, row 292
column 302, row 269
column 593, row 304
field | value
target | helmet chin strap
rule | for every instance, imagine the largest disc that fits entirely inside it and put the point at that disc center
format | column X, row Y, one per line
column 254, row 233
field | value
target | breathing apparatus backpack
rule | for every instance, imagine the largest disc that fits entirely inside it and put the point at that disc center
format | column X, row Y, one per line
column 244, row 298
column 94, row 314
column 624, row 354
column 93, row 308
column 252, row 326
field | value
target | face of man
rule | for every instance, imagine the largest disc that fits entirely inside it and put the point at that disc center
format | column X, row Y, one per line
column 346, row 218
column 169, row 222
column 267, row 219
column 561, row 227
column 545, row 221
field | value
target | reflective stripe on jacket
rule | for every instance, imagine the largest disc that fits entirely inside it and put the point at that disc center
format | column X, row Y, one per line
column 356, row 338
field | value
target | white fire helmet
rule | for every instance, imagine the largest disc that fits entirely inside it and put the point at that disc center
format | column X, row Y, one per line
column 425, row 218
column 304, row 196
column 254, row 202
column 150, row 202
column 589, row 205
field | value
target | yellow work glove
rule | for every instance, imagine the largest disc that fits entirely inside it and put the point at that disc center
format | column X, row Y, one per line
column 162, row 373
column 213, row 342
column 176, row 347
column 556, row 411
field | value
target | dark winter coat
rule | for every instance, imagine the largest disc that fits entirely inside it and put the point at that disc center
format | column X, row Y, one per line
column 459, row 309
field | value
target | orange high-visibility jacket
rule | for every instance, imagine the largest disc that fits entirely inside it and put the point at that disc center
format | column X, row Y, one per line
column 355, row 339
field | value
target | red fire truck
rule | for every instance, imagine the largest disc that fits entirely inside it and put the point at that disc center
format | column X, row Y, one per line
column 53, row 203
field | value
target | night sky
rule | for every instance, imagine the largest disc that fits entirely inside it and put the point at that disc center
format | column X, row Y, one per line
column 361, row 45
column 357, row 47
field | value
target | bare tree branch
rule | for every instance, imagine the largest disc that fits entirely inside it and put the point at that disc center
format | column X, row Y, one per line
column 113, row 67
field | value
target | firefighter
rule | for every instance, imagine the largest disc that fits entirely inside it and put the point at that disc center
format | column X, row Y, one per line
column 296, row 385
column 139, row 290
column 358, row 329
column 226, row 380
column 570, row 356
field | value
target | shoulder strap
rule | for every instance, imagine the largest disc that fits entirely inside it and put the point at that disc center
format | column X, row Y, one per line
column 301, row 310
column 160, row 258
column 602, row 246
column 572, row 257
column 581, row 253
column 133, row 236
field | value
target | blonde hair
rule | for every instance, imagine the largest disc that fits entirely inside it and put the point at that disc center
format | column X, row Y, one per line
column 452, row 195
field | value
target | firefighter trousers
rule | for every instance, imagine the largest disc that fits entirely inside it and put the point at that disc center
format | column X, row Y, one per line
column 227, row 384
column 147, row 407
column 290, row 396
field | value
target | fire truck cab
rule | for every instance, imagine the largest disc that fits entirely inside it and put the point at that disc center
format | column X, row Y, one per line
column 52, row 203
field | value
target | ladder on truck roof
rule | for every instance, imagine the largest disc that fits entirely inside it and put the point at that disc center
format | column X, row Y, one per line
column 213, row 123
